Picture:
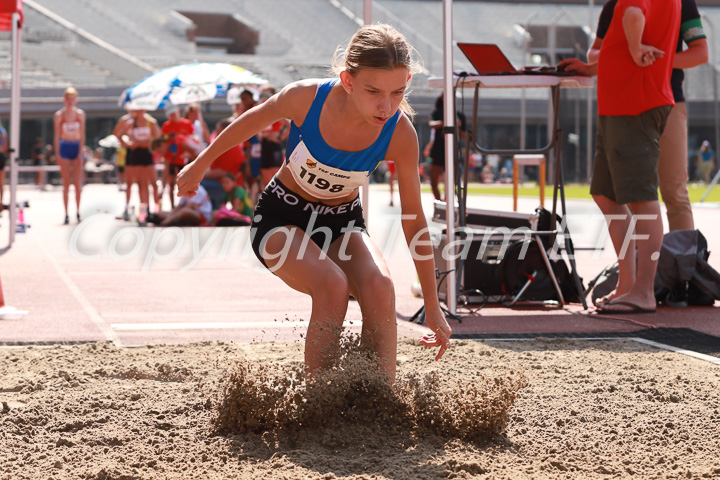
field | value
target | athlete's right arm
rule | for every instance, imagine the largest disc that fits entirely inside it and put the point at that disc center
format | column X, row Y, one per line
column 56, row 132
column 593, row 54
column 120, row 128
column 291, row 102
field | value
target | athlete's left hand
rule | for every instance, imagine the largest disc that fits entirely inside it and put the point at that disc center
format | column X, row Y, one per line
column 441, row 332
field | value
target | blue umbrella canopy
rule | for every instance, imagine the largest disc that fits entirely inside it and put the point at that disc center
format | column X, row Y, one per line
column 182, row 84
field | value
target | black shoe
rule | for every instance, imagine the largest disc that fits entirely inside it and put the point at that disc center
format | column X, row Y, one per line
column 78, row 218
column 67, row 220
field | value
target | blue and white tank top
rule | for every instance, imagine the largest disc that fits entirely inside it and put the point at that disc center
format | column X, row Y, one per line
column 325, row 172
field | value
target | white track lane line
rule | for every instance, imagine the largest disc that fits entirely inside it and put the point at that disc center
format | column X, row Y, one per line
column 95, row 317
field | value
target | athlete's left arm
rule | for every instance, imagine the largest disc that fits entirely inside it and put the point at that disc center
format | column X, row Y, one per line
column 693, row 35
column 696, row 54
column 81, row 116
column 404, row 151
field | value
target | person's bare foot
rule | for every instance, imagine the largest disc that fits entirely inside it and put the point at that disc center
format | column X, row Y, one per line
column 602, row 300
column 628, row 304
column 610, row 296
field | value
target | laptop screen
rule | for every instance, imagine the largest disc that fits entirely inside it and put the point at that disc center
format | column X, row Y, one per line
column 487, row 58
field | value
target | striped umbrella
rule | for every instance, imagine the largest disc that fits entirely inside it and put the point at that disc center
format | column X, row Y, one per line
column 182, row 84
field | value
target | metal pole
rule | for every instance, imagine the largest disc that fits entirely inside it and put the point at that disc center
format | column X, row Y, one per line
column 365, row 191
column 715, row 85
column 449, row 132
column 523, row 107
column 715, row 100
column 14, row 123
column 523, row 103
column 576, row 176
column 552, row 48
column 590, row 96
column 367, row 12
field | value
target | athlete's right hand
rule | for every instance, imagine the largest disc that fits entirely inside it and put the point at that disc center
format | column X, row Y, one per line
column 188, row 180
column 573, row 65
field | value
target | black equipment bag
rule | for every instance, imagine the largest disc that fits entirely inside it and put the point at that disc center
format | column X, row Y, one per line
column 684, row 276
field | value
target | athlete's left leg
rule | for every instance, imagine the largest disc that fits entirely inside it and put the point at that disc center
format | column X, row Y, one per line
column 370, row 283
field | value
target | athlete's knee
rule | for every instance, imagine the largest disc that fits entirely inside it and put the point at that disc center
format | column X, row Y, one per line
column 378, row 288
column 331, row 286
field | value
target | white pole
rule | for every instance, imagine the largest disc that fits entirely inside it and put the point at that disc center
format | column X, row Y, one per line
column 713, row 60
column 523, row 111
column 449, row 132
column 365, row 193
column 367, row 12
column 590, row 97
column 552, row 50
column 14, row 123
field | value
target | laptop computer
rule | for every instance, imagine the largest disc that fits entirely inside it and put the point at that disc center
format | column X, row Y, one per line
column 488, row 59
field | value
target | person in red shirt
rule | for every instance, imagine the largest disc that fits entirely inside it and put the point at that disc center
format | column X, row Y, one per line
column 634, row 101
column 231, row 162
column 271, row 140
column 178, row 132
column 673, row 163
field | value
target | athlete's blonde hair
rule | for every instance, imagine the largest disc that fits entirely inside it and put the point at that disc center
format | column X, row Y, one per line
column 377, row 46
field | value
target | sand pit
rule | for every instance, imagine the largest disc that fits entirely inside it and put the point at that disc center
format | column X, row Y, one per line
column 583, row 410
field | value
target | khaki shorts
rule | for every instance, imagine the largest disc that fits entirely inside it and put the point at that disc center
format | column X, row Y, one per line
column 626, row 156
column 706, row 167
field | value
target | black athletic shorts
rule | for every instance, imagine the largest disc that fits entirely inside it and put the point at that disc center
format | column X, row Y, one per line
column 173, row 169
column 278, row 207
column 271, row 155
column 3, row 159
column 139, row 157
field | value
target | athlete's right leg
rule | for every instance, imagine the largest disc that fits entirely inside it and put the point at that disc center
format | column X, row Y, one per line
column 131, row 176
column 144, row 184
column 436, row 175
column 171, row 181
column 152, row 180
column 303, row 266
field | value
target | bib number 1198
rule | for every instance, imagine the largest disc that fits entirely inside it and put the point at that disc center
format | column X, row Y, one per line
column 319, row 182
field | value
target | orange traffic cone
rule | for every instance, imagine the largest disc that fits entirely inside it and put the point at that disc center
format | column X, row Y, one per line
column 2, row 298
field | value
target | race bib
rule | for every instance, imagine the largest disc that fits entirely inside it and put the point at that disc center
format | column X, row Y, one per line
column 320, row 180
column 256, row 150
column 71, row 128
column 141, row 134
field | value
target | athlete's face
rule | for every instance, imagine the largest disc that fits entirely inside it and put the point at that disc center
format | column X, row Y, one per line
column 70, row 99
column 377, row 93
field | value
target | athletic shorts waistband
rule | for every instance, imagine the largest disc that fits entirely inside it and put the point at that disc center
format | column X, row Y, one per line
column 277, row 190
